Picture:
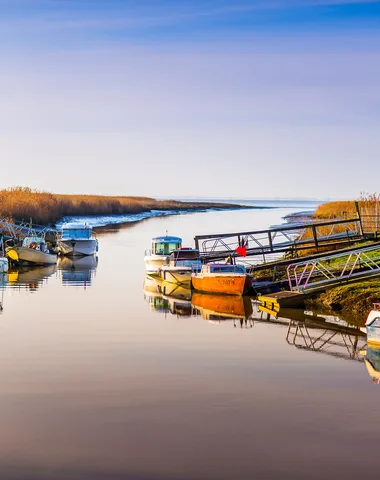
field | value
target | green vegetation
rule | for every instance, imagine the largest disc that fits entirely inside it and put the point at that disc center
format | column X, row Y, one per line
column 356, row 299
column 353, row 300
column 22, row 203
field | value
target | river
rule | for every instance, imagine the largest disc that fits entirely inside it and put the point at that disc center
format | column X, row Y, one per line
column 103, row 379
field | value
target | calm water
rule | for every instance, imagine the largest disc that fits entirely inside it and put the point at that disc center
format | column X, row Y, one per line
column 103, row 379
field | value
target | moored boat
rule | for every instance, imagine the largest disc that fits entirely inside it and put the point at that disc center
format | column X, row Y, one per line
column 372, row 326
column 222, row 278
column 33, row 250
column 182, row 262
column 77, row 241
column 160, row 252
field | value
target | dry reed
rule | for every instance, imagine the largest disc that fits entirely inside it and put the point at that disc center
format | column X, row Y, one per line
column 23, row 203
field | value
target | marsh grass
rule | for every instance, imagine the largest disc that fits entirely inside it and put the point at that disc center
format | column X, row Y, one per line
column 23, row 203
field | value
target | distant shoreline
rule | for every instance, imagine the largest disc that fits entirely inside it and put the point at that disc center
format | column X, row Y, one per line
column 101, row 221
column 43, row 208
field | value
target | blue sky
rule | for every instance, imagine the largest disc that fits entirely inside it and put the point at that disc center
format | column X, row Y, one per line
column 119, row 97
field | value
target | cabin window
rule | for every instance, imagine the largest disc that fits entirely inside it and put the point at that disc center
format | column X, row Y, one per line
column 376, row 323
column 165, row 248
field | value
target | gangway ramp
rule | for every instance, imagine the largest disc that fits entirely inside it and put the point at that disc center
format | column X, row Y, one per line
column 315, row 275
column 267, row 245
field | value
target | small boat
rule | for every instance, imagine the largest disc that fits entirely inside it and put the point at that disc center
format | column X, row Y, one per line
column 372, row 326
column 160, row 252
column 182, row 262
column 77, row 241
column 222, row 278
column 33, row 250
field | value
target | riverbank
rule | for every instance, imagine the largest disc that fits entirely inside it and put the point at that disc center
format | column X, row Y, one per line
column 352, row 301
column 45, row 208
column 356, row 299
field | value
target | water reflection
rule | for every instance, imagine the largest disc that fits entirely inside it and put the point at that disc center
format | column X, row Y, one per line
column 31, row 278
column 178, row 300
column 323, row 334
column 372, row 362
column 77, row 271
column 167, row 298
column 2, row 288
column 216, row 308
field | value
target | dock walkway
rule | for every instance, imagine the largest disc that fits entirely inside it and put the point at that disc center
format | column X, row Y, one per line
column 269, row 245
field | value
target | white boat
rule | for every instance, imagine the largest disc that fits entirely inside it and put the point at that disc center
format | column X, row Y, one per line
column 160, row 252
column 77, row 241
column 33, row 250
column 3, row 264
column 372, row 326
column 182, row 262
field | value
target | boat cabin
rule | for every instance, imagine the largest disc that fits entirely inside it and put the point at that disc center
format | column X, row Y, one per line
column 185, row 257
column 223, row 268
column 165, row 245
column 76, row 232
column 36, row 243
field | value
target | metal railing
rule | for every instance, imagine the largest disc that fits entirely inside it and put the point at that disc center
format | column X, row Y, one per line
column 272, row 243
column 334, row 268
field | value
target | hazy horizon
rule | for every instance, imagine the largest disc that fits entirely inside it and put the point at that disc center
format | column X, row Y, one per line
column 163, row 98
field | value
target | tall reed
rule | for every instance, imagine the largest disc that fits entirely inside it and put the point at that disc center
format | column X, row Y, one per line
column 23, row 203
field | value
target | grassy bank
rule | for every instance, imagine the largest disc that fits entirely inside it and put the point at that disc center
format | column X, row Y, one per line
column 46, row 208
column 352, row 301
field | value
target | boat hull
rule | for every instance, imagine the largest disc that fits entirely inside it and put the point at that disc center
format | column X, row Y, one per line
column 177, row 275
column 78, row 247
column 29, row 255
column 222, row 284
column 153, row 263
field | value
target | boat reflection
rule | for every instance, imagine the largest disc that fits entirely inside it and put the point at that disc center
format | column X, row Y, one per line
column 217, row 308
column 372, row 362
column 167, row 298
column 30, row 278
column 77, row 271
column 320, row 334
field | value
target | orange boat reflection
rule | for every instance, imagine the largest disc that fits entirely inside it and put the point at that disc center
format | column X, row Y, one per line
column 217, row 307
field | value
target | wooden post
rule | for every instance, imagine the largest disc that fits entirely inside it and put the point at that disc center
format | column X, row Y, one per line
column 359, row 218
column 270, row 241
column 196, row 241
column 314, row 230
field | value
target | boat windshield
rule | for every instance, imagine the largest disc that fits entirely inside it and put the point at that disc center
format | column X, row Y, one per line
column 227, row 269
column 33, row 240
column 72, row 233
column 185, row 255
column 164, row 248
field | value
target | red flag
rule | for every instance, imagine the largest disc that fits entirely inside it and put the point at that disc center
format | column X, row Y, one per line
column 242, row 251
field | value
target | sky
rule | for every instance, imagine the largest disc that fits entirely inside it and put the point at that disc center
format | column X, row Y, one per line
column 209, row 98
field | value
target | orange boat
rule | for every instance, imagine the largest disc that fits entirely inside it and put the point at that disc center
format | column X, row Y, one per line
column 222, row 278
